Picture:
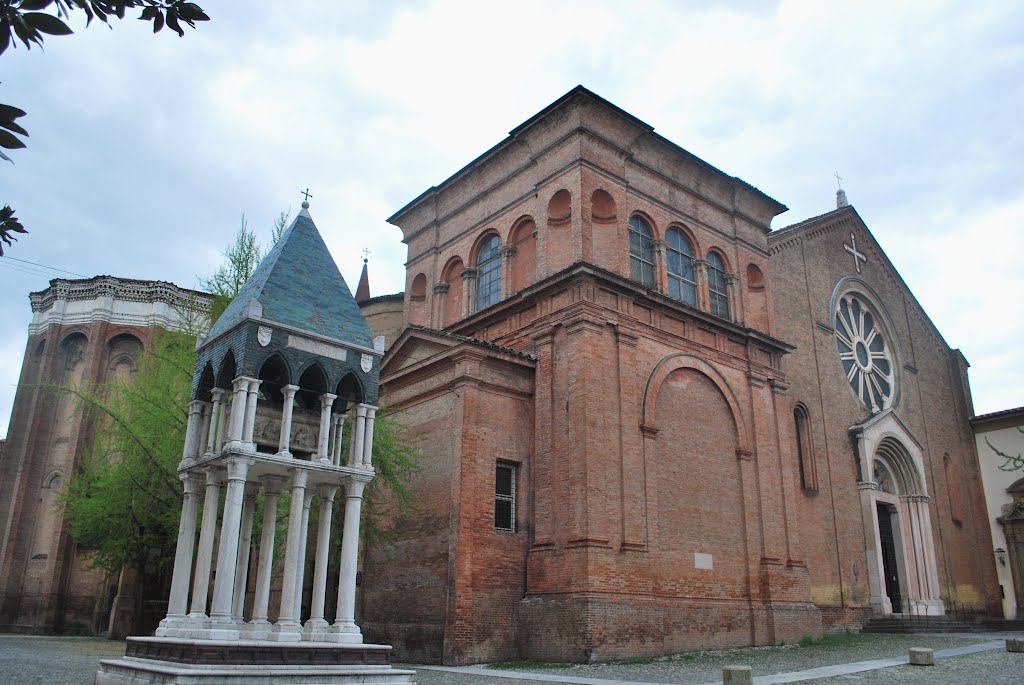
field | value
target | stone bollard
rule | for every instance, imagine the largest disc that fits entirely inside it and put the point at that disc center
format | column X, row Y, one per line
column 737, row 675
column 1015, row 644
column 922, row 656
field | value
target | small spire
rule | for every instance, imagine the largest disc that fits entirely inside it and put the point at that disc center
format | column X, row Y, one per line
column 306, row 195
column 841, row 200
column 363, row 289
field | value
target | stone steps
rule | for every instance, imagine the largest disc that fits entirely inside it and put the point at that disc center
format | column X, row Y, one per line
column 1001, row 625
column 919, row 624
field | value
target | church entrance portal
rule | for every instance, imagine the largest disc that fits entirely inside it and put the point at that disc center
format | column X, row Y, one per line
column 889, row 565
column 895, row 507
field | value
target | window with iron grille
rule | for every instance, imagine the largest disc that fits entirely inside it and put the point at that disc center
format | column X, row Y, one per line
column 505, row 496
column 682, row 285
column 488, row 264
column 716, row 286
column 641, row 252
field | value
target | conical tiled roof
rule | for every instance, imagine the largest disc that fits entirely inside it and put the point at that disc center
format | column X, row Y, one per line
column 298, row 284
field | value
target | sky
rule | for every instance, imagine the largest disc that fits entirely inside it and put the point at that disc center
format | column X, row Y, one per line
column 145, row 151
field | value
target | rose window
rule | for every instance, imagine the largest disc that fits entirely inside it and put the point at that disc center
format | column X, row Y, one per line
column 864, row 354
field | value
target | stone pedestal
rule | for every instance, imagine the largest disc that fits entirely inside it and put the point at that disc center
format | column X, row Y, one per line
column 922, row 656
column 152, row 660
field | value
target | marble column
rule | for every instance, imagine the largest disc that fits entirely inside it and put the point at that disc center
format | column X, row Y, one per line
column 239, row 398
column 660, row 267
column 244, row 551
column 358, row 435
column 216, row 429
column 300, row 572
column 222, row 423
column 337, row 437
column 287, row 627
column 259, row 628
column 326, row 402
column 204, row 430
column 286, row 420
column 193, row 435
column 227, row 555
column 371, row 412
column 177, row 603
column 316, row 626
column 204, row 558
column 249, row 424
column 344, row 630
column 353, row 459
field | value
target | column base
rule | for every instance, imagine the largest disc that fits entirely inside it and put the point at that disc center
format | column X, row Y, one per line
column 344, row 634
column 256, row 630
column 290, row 631
column 315, row 629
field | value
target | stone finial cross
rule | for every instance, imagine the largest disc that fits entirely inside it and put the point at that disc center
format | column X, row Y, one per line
column 366, row 254
column 306, row 194
column 858, row 257
column 839, row 180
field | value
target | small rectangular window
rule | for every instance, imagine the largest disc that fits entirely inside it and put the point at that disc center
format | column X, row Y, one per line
column 505, row 497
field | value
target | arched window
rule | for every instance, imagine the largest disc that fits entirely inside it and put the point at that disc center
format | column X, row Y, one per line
column 719, row 296
column 641, row 252
column 681, row 282
column 805, row 449
column 488, row 264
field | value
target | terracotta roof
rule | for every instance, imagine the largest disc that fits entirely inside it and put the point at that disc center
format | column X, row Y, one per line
column 1003, row 413
column 474, row 341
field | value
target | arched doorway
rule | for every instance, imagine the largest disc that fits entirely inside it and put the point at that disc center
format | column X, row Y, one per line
column 902, row 570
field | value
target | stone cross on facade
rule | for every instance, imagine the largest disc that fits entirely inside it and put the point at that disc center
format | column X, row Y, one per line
column 306, row 194
column 858, row 257
column 839, row 180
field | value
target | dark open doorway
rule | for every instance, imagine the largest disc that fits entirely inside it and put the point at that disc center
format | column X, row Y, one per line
column 889, row 567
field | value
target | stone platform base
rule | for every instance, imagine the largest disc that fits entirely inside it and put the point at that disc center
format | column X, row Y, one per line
column 207, row 662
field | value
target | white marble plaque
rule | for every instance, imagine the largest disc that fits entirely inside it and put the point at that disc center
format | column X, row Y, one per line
column 263, row 335
column 318, row 348
column 366, row 363
column 704, row 561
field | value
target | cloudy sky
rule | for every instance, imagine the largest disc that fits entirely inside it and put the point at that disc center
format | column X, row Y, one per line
column 146, row 150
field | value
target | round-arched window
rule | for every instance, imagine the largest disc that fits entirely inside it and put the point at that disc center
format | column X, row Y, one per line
column 864, row 353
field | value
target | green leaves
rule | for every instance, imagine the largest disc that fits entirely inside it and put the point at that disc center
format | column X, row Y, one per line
column 9, row 224
column 22, row 19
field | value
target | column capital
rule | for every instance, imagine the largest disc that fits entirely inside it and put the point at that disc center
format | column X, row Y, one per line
column 732, row 278
column 237, row 468
column 440, row 288
column 252, row 488
column 272, row 484
column 468, row 273
column 701, row 265
column 328, row 492
column 215, row 475
column 289, row 390
column 660, row 246
column 327, row 399
column 218, row 394
column 190, row 483
column 507, row 251
column 299, row 478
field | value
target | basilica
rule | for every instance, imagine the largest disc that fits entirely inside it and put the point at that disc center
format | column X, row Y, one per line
column 646, row 422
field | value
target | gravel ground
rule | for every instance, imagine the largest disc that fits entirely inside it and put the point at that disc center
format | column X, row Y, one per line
column 986, row 668
column 701, row 667
column 38, row 660
column 32, row 660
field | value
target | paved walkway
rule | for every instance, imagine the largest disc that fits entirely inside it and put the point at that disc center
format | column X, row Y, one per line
column 967, row 659
column 776, row 679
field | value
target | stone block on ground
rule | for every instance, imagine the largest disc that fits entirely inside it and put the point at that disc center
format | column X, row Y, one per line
column 922, row 656
column 1015, row 644
column 737, row 675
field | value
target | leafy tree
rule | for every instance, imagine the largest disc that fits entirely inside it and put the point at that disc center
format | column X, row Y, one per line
column 241, row 258
column 126, row 498
column 1012, row 462
column 23, row 20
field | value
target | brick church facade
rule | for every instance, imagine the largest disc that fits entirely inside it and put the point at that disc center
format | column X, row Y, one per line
column 649, row 424
column 82, row 332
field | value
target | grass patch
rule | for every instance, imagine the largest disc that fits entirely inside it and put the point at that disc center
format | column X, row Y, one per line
column 528, row 665
column 848, row 637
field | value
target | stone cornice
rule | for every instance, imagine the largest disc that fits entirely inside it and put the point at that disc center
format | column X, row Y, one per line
column 121, row 301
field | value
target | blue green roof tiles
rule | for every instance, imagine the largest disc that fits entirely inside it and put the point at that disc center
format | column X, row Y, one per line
column 299, row 285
